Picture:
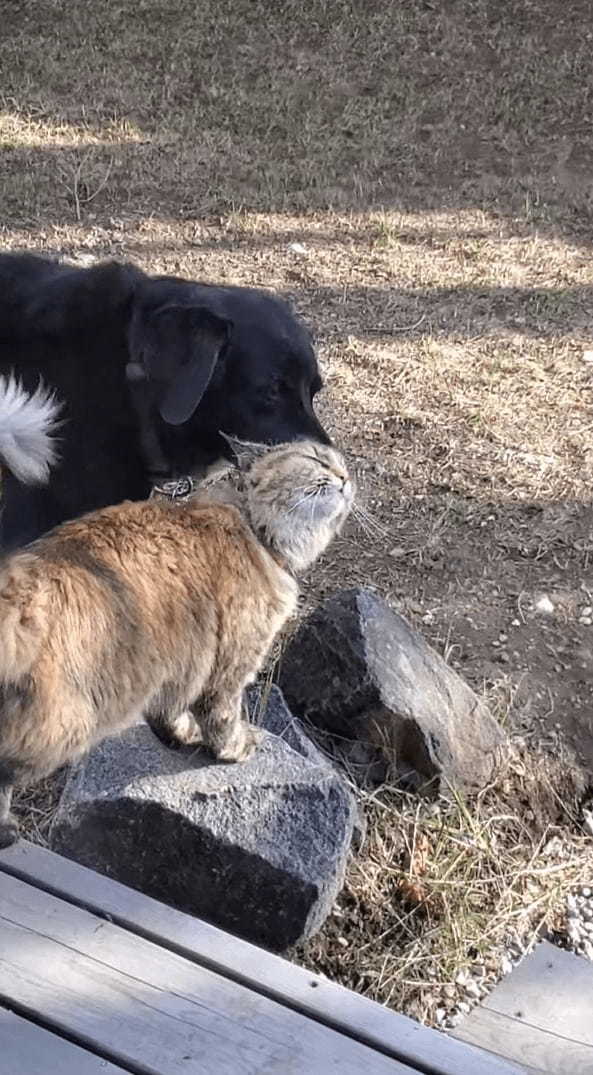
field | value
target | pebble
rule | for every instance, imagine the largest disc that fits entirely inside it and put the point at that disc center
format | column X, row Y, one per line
column 579, row 921
column 505, row 965
column 586, row 621
column 588, row 821
column 543, row 604
column 472, row 989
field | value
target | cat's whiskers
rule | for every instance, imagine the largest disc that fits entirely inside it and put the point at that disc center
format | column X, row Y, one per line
column 367, row 522
column 311, row 494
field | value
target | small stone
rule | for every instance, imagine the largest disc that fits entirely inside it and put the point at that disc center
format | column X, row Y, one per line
column 505, row 965
column 586, row 621
column 441, row 1014
column 464, row 1007
column 298, row 248
column 454, row 1020
column 574, row 931
column 472, row 989
column 587, row 913
column 461, row 978
column 587, row 610
column 544, row 605
column 588, row 821
column 342, row 942
column 586, row 892
column 587, row 356
column 502, row 637
column 516, row 623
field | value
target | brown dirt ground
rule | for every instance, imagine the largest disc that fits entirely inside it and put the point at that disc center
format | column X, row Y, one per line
column 435, row 162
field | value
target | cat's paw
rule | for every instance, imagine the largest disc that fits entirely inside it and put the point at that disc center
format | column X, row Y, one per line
column 185, row 731
column 241, row 745
column 9, row 832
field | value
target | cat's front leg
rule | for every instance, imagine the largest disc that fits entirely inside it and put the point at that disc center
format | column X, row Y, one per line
column 227, row 733
column 180, row 730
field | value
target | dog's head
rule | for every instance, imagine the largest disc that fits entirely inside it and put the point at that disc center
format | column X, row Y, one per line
column 230, row 359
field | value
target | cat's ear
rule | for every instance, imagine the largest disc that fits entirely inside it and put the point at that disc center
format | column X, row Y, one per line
column 245, row 452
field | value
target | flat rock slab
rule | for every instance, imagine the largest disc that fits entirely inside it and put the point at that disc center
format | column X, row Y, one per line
column 258, row 848
column 357, row 669
column 541, row 1014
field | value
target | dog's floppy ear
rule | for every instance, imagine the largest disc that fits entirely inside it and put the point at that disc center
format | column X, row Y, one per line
column 180, row 348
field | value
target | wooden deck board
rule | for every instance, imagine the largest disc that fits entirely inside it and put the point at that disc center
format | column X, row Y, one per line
column 270, row 976
column 540, row 1015
column 27, row 1049
column 150, row 1009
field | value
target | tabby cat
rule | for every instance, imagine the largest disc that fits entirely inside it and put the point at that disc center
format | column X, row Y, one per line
column 160, row 609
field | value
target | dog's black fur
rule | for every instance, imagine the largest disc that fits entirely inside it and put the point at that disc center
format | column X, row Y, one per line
column 149, row 370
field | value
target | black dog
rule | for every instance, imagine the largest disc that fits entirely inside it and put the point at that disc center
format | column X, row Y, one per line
column 149, row 371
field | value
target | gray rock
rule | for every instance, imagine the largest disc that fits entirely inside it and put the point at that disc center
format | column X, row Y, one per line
column 258, row 848
column 357, row 669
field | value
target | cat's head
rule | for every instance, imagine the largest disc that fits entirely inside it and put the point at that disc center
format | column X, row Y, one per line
column 298, row 496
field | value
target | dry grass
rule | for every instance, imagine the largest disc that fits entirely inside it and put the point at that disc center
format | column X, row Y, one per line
column 434, row 160
column 444, row 893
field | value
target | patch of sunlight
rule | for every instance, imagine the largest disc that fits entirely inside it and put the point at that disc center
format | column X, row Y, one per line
column 25, row 132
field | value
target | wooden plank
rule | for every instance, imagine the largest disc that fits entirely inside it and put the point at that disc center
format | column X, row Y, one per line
column 541, row 1014
column 295, row 987
column 551, row 989
column 148, row 1009
column 539, row 1050
column 27, row 1049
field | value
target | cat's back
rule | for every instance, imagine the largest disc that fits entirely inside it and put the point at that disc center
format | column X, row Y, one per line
column 166, row 550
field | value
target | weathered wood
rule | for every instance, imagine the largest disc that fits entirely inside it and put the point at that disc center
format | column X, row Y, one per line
column 540, row 1050
column 541, row 1014
column 27, row 1049
column 150, row 1009
column 262, row 972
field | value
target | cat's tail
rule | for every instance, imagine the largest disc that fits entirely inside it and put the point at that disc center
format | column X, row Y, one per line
column 28, row 423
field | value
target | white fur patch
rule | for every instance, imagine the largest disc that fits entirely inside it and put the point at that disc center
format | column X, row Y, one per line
column 27, row 425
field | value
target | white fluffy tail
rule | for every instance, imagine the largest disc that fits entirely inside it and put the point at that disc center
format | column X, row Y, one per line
column 27, row 425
